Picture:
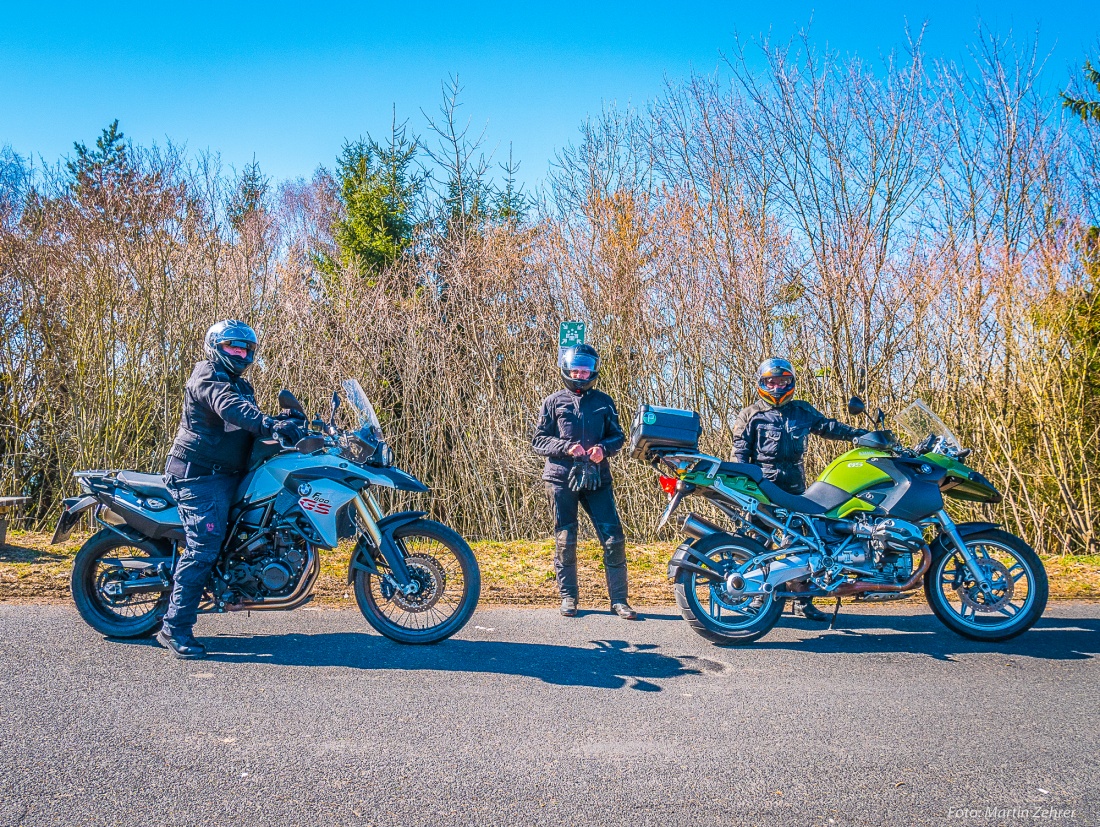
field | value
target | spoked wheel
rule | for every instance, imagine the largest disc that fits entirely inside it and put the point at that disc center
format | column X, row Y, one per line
column 710, row 610
column 448, row 586
column 98, row 582
column 1016, row 600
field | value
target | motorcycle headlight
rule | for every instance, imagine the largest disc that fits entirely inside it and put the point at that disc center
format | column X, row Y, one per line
column 385, row 454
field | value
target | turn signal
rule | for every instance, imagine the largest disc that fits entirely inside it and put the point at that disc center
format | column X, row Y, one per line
column 668, row 484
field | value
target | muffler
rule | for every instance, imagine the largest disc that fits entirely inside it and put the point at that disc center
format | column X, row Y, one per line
column 698, row 527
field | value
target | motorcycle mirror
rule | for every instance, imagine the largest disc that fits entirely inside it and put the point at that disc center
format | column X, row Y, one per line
column 335, row 405
column 289, row 402
column 856, row 406
column 880, row 419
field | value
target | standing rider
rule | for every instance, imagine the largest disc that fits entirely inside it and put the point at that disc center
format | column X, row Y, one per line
column 771, row 433
column 219, row 422
column 578, row 430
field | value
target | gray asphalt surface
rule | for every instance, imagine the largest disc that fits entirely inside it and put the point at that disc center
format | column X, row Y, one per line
column 528, row 718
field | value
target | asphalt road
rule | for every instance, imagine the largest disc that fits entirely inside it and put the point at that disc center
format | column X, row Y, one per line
column 527, row 718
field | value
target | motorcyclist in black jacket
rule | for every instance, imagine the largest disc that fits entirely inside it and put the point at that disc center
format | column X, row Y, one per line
column 578, row 430
column 772, row 433
column 219, row 422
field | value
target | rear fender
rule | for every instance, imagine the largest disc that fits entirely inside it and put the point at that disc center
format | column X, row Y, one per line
column 365, row 555
column 70, row 516
column 685, row 557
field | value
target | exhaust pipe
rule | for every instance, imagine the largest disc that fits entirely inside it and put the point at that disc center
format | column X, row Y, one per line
column 698, row 527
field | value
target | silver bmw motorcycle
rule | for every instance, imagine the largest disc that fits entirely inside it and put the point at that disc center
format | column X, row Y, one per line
column 415, row 579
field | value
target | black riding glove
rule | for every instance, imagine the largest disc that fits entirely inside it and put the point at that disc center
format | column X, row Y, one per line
column 287, row 431
column 584, row 475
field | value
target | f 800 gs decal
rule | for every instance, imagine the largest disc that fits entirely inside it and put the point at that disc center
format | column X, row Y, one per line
column 316, row 505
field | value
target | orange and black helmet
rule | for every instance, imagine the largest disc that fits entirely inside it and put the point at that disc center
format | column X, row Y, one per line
column 775, row 381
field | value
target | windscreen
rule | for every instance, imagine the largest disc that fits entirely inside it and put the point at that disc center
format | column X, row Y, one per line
column 359, row 402
column 918, row 422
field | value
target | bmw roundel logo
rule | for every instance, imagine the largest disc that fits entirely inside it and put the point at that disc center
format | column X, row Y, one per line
column 304, row 490
column 649, row 418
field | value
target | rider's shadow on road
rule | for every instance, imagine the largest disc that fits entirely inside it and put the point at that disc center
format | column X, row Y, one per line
column 608, row 664
column 1052, row 638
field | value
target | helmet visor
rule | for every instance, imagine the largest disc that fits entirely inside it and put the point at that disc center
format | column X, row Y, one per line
column 580, row 361
column 774, row 383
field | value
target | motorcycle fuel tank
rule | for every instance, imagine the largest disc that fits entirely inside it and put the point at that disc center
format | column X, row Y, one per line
column 852, row 472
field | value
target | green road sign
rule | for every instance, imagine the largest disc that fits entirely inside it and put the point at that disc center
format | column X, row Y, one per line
column 571, row 334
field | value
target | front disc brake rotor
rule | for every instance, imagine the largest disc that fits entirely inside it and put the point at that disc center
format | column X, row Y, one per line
column 1001, row 588
column 432, row 578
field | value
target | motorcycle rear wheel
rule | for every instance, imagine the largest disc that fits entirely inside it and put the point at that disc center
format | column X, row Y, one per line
column 130, row 616
column 706, row 609
column 1020, row 587
column 450, row 580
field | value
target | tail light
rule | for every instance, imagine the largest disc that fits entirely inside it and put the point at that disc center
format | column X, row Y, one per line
column 668, row 484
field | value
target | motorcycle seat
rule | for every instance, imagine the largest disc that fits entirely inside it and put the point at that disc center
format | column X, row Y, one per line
column 744, row 469
column 818, row 498
column 147, row 485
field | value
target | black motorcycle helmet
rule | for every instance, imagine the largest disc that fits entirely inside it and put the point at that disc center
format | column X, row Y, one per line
column 775, row 381
column 236, row 334
column 580, row 358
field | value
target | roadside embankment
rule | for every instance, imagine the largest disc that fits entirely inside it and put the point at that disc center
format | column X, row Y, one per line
column 515, row 573
column 518, row 573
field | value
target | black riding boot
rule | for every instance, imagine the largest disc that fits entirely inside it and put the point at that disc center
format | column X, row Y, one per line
column 565, row 562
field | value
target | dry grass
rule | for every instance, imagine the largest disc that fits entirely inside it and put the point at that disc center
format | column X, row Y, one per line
column 519, row 573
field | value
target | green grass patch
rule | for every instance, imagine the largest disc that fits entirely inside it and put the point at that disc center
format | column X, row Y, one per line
column 518, row 572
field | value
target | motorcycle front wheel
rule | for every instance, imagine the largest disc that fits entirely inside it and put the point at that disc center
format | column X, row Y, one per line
column 444, row 566
column 710, row 611
column 1019, row 587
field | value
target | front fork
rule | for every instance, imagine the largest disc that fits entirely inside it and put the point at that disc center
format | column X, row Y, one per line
column 369, row 513
column 972, row 565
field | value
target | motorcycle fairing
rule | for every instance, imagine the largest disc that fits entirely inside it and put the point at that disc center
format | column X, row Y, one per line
column 267, row 480
column 321, row 507
column 895, row 486
column 964, row 483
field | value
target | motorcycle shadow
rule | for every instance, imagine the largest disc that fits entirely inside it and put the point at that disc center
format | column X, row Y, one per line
column 607, row 664
column 1052, row 638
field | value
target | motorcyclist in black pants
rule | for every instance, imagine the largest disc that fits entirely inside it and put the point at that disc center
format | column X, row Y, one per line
column 219, row 422
column 578, row 429
column 772, row 432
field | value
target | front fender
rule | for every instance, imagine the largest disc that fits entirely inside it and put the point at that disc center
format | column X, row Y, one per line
column 364, row 557
column 965, row 530
column 70, row 516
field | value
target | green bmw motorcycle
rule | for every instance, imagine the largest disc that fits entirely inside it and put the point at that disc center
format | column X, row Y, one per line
column 874, row 524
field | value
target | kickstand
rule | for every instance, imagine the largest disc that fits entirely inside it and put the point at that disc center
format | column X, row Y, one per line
column 836, row 610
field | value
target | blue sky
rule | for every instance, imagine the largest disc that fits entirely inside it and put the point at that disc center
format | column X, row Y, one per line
column 287, row 83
